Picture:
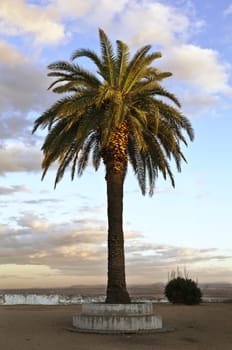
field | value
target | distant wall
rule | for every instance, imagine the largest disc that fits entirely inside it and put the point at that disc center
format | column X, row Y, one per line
column 43, row 299
column 56, row 299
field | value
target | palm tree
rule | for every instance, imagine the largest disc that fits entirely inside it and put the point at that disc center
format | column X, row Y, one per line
column 118, row 115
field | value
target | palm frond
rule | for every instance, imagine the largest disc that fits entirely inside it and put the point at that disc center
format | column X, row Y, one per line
column 89, row 54
column 107, row 58
column 137, row 163
column 64, row 161
column 97, row 155
column 85, row 151
column 50, row 115
column 121, row 62
column 134, row 68
column 63, row 66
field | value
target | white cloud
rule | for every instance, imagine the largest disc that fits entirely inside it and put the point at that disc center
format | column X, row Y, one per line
column 152, row 22
column 195, row 100
column 199, row 66
column 23, row 18
column 46, row 23
column 70, row 8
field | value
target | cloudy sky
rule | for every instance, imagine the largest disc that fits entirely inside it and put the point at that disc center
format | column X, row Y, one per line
column 58, row 237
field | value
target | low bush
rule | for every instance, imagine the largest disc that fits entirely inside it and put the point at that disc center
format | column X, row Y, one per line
column 180, row 290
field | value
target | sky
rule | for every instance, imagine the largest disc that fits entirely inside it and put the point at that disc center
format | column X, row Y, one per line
column 52, row 238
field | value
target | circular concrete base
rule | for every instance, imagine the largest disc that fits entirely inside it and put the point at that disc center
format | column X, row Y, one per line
column 117, row 318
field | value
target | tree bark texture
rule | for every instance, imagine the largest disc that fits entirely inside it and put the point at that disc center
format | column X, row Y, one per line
column 116, row 287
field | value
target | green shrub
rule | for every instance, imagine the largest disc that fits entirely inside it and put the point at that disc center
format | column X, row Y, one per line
column 181, row 290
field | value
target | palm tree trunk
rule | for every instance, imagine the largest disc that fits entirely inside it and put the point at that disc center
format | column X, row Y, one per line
column 116, row 287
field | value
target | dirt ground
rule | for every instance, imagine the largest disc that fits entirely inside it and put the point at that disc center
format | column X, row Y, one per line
column 203, row 327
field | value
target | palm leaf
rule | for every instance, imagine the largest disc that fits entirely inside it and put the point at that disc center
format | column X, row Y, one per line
column 121, row 62
column 107, row 58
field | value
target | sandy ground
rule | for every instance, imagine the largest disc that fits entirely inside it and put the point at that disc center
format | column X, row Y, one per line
column 203, row 327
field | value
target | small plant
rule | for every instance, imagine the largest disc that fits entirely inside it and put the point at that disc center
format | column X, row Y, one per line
column 182, row 290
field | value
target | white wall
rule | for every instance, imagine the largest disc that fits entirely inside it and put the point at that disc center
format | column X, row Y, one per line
column 43, row 299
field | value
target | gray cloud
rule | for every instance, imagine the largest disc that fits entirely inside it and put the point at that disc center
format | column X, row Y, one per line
column 202, row 194
column 42, row 200
column 12, row 190
column 67, row 249
column 86, row 209
column 79, row 247
column 23, row 96
column 19, row 157
column 15, row 125
column 35, row 235
column 151, row 268
column 10, row 55
column 23, row 87
column 166, row 254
